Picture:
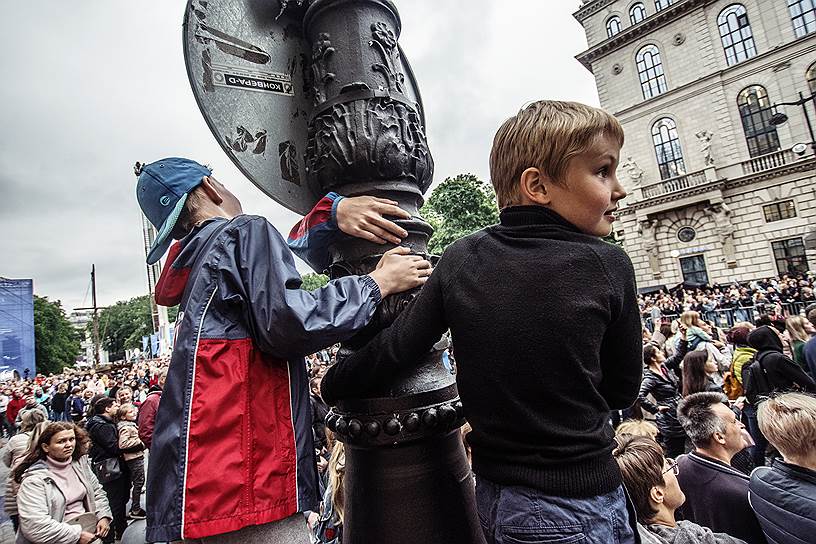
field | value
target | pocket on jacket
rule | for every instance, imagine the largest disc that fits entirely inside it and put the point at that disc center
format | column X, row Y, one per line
column 561, row 534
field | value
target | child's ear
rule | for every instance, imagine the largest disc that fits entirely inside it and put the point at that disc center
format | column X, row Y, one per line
column 211, row 190
column 533, row 187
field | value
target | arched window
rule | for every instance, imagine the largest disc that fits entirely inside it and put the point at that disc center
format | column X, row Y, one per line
column 810, row 75
column 637, row 13
column 663, row 4
column 755, row 111
column 650, row 71
column 735, row 33
column 803, row 16
column 613, row 26
column 667, row 148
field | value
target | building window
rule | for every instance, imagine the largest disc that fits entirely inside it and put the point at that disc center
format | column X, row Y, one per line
column 779, row 211
column 613, row 26
column 803, row 16
column 637, row 13
column 686, row 234
column 663, row 4
column 790, row 256
column 694, row 270
column 755, row 111
column 667, row 148
column 810, row 75
column 735, row 33
column 650, row 71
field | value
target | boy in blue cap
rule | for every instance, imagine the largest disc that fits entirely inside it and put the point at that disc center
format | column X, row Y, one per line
column 232, row 452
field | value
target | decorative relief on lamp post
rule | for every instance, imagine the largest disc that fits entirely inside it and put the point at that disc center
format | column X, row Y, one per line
column 321, row 53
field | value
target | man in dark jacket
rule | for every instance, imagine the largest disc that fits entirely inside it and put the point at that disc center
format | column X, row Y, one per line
column 104, row 446
column 784, row 494
column 716, row 493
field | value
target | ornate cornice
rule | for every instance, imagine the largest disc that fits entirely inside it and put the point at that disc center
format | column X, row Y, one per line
column 623, row 38
column 799, row 166
column 805, row 165
column 590, row 8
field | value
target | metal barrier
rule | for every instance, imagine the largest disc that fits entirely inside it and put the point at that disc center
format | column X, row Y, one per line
column 727, row 317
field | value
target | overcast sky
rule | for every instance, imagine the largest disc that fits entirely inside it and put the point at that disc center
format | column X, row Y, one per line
column 91, row 86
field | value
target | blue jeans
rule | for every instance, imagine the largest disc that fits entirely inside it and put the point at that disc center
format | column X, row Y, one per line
column 522, row 515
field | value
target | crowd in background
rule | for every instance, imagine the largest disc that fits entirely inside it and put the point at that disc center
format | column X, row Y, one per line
column 731, row 303
column 705, row 420
column 76, row 450
column 724, row 431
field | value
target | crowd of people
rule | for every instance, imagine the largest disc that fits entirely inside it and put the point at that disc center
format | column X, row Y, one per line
column 731, row 303
column 76, row 451
column 724, row 430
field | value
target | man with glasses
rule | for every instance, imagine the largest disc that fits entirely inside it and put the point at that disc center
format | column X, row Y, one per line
column 651, row 480
column 716, row 493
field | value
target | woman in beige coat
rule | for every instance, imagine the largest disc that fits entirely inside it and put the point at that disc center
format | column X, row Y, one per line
column 57, row 487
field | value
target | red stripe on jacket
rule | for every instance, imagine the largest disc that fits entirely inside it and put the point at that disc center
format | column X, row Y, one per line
column 240, row 432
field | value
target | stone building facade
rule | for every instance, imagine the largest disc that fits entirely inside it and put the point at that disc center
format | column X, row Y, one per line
column 721, row 186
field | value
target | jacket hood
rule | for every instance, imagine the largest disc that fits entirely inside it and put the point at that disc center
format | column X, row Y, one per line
column 180, row 259
column 765, row 339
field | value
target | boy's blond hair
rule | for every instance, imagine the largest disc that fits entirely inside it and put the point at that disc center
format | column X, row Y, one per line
column 546, row 135
column 637, row 427
column 788, row 421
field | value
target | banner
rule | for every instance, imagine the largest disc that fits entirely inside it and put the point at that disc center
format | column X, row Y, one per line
column 17, row 328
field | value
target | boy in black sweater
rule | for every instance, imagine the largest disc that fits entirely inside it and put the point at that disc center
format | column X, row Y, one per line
column 544, row 319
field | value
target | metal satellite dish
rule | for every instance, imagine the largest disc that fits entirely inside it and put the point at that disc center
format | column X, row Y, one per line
column 250, row 69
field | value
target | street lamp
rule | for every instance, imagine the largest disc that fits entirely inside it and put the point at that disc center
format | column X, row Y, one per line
column 780, row 118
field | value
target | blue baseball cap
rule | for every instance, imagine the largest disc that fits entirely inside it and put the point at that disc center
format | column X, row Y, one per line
column 162, row 190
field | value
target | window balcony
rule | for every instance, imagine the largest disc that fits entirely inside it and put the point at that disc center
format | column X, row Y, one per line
column 675, row 184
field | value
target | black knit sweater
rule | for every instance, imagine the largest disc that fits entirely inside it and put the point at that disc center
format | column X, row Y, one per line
column 547, row 337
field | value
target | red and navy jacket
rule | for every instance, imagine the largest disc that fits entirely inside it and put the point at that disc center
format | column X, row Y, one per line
column 232, row 445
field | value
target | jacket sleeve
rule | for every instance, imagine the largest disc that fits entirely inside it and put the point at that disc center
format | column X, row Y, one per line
column 129, row 441
column 621, row 348
column 673, row 362
column 310, row 238
column 286, row 320
column 794, row 373
column 7, row 454
column 36, row 523
column 105, row 437
column 643, row 393
column 403, row 344
column 147, row 419
column 100, row 496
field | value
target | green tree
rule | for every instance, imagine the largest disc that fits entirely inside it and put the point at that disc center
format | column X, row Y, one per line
column 457, row 207
column 312, row 281
column 122, row 325
column 55, row 339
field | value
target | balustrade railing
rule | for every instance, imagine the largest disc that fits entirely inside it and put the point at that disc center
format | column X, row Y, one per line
column 768, row 161
column 675, row 184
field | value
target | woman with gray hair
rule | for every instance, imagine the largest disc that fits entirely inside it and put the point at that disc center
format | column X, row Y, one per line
column 13, row 453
